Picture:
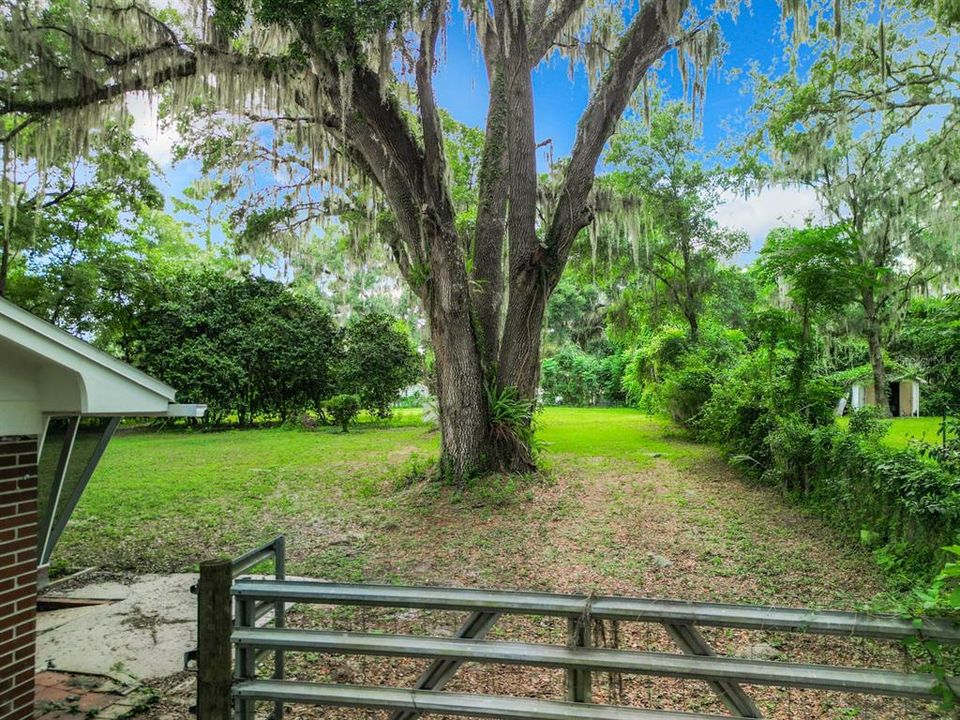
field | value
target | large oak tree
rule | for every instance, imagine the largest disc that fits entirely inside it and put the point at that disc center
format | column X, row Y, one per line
column 351, row 82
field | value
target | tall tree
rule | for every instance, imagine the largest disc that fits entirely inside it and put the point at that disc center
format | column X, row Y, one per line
column 816, row 268
column 683, row 243
column 73, row 246
column 874, row 128
column 350, row 84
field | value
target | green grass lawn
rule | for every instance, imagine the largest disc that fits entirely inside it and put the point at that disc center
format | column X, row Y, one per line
column 626, row 505
column 158, row 499
column 163, row 501
column 903, row 430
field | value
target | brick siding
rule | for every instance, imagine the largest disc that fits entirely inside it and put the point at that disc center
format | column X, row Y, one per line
column 18, row 575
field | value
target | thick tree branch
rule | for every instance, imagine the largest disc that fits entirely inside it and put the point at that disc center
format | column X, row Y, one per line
column 101, row 93
column 645, row 41
column 491, row 219
column 521, row 140
column 376, row 161
column 547, row 30
column 434, row 160
column 20, row 127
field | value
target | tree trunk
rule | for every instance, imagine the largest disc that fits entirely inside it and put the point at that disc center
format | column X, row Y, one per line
column 875, row 344
column 461, row 396
column 693, row 321
column 473, row 442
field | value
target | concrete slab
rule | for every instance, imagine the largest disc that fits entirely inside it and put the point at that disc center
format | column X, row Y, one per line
column 143, row 635
column 110, row 590
column 52, row 619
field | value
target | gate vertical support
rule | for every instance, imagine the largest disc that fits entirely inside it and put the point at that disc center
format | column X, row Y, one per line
column 245, row 616
column 279, row 616
column 214, row 625
column 691, row 642
column 436, row 676
column 579, row 681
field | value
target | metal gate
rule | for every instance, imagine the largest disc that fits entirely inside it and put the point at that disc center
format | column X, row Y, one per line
column 221, row 692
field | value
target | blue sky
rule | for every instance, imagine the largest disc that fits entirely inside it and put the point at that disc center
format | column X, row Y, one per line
column 462, row 90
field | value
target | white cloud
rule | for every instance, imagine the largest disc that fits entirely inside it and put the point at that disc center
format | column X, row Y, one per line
column 759, row 213
column 157, row 139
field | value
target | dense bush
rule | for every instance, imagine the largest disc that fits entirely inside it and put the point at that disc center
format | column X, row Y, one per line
column 685, row 389
column 245, row 346
column 379, row 360
column 343, row 409
column 574, row 377
column 670, row 372
column 253, row 349
column 740, row 413
column 930, row 337
column 648, row 363
column 903, row 504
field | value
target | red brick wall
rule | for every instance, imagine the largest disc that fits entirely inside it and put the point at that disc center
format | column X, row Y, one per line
column 18, row 575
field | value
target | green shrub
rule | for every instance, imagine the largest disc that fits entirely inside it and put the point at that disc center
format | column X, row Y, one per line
column 687, row 389
column 571, row 377
column 930, row 337
column 648, row 363
column 670, row 372
column 379, row 360
column 344, row 409
column 866, row 423
column 791, row 454
column 905, row 504
column 740, row 413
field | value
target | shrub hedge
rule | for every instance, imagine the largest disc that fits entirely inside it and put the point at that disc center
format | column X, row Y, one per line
column 904, row 504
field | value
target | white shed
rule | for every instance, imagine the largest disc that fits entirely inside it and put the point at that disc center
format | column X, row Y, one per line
column 903, row 393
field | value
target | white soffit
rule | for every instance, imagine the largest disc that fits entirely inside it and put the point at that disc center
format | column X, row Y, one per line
column 107, row 386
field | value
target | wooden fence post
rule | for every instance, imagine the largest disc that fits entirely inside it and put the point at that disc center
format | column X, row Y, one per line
column 579, row 686
column 214, row 626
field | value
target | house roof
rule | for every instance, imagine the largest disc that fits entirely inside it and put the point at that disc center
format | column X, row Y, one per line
column 46, row 371
column 46, row 339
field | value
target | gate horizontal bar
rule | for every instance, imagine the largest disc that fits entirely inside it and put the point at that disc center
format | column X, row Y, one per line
column 267, row 551
column 749, row 617
column 690, row 667
column 444, row 703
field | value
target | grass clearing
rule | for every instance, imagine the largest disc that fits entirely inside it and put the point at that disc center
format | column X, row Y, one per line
column 902, row 430
column 627, row 506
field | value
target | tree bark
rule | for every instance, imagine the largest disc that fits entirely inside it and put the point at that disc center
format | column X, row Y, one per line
column 491, row 229
column 461, row 392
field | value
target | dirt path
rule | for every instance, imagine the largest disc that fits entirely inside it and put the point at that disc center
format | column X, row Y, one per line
column 675, row 523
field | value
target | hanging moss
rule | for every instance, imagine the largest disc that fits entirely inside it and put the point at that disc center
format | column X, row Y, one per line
column 275, row 57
